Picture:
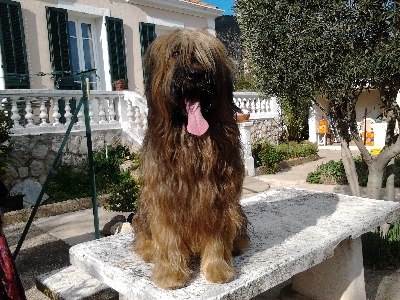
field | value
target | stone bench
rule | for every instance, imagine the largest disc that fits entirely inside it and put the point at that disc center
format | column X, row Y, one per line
column 70, row 283
column 310, row 237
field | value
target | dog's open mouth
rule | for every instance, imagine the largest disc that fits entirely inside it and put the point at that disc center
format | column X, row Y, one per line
column 197, row 125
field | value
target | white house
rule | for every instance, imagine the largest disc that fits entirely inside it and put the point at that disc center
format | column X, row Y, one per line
column 66, row 36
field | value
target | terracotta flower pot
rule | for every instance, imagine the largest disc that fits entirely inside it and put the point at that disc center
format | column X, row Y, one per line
column 120, row 84
column 242, row 117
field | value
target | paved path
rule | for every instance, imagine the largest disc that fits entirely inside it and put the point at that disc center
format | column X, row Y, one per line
column 48, row 241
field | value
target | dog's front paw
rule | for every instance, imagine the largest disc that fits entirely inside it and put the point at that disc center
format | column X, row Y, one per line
column 168, row 279
column 218, row 271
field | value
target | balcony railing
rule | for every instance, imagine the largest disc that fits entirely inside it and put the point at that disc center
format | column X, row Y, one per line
column 44, row 111
column 259, row 108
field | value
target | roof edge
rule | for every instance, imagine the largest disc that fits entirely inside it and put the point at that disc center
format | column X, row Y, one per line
column 181, row 6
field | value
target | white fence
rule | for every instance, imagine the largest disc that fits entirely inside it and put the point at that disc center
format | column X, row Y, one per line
column 259, row 108
column 33, row 112
column 45, row 111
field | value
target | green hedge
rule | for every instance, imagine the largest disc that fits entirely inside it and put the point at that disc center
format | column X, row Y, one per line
column 269, row 156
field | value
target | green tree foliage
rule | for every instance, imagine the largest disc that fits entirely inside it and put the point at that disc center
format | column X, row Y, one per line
column 295, row 118
column 333, row 49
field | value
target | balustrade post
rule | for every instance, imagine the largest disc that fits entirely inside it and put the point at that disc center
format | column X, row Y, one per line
column 56, row 115
column 102, row 113
column 29, row 114
column 138, row 121
column 245, row 137
column 130, row 113
column 91, row 113
column 80, row 116
column 43, row 112
column 111, row 111
column 68, row 114
column 144, row 123
column 15, row 113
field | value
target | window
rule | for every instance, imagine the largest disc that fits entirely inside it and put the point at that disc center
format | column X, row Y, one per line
column 116, row 49
column 12, row 43
column 74, row 43
column 57, row 20
column 147, row 36
column 82, row 50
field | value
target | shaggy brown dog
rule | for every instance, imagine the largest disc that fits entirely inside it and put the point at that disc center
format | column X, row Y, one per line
column 191, row 162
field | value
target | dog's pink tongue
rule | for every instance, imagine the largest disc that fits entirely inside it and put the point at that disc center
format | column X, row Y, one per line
column 197, row 125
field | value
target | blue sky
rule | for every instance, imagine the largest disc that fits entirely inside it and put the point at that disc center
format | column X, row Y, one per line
column 225, row 5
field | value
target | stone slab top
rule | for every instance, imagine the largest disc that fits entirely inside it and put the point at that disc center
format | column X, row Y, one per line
column 290, row 229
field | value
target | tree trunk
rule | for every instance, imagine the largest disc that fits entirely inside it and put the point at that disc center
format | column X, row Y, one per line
column 390, row 180
column 375, row 177
column 350, row 168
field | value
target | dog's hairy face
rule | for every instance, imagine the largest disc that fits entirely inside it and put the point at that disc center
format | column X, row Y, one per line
column 188, row 71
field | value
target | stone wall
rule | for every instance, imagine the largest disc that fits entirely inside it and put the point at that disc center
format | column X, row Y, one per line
column 33, row 155
column 265, row 129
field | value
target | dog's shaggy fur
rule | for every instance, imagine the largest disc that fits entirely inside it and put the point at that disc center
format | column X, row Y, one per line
column 192, row 167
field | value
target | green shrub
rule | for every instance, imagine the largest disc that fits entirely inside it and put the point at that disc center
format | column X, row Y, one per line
column 333, row 173
column 269, row 156
column 71, row 182
column 124, row 195
column 294, row 149
column 68, row 182
column 314, row 177
column 107, row 166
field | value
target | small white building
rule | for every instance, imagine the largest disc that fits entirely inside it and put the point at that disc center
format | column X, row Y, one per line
column 368, row 106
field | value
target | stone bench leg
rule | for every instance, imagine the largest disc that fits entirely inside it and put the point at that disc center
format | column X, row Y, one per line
column 339, row 277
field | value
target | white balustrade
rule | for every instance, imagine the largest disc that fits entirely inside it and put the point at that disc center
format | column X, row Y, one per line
column 41, row 112
column 259, row 108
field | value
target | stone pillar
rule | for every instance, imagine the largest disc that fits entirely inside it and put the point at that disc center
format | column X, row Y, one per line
column 312, row 124
column 245, row 137
column 339, row 277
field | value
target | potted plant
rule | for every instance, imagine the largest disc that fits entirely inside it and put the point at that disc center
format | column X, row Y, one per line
column 244, row 116
column 120, row 84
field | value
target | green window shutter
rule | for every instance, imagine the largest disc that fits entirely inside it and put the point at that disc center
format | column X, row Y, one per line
column 57, row 27
column 12, row 43
column 116, row 49
column 147, row 36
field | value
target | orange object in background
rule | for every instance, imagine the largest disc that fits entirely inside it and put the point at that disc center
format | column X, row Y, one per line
column 323, row 126
column 368, row 138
